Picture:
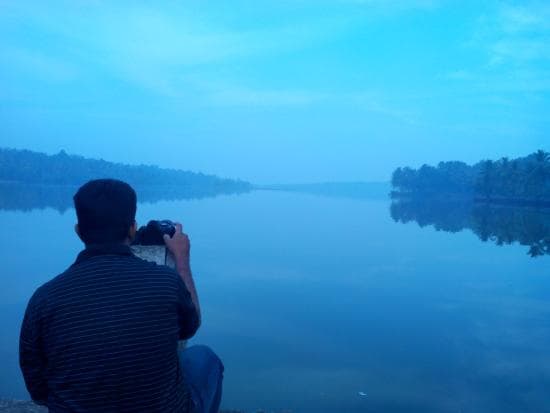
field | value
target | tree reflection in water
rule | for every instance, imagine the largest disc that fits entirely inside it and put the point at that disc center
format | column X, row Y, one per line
column 502, row 225
column 26, row 197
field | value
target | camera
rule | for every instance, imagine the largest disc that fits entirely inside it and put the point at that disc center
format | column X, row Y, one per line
column 153, row 233
column 149, row 245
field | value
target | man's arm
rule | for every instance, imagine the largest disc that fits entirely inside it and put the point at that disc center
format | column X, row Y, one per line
column 180, row 246
column 31, row 356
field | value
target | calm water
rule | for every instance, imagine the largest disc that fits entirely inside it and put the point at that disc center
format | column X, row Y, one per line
column 310, row 300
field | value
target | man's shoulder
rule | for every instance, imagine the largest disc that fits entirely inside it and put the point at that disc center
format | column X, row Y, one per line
column 73, row 275
column 114, row 261
column 42, row 291
column 103, row 264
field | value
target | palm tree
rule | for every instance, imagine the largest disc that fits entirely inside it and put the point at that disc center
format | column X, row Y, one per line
column 542, row 156
column 540, row 174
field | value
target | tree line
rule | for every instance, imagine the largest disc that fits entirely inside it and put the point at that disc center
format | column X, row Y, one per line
column 29, row 167
column 520, row 180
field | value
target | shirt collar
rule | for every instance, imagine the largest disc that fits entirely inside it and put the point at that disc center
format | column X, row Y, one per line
column 103, row 249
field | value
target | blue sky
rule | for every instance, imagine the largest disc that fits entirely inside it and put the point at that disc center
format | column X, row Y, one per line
column 277, row 91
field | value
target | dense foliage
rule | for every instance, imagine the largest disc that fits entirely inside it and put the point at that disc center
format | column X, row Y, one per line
column 499, row 224
column 518, row 180
column 28, row 167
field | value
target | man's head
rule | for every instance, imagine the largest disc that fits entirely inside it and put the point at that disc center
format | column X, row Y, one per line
column 106, row 211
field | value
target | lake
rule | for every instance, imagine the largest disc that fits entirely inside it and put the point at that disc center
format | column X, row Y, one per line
column 334, row 304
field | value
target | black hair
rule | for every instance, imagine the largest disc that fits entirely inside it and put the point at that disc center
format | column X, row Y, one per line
column 106, row 209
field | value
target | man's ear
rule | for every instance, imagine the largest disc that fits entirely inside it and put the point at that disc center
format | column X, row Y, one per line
column 132, row 231
column 77, row 230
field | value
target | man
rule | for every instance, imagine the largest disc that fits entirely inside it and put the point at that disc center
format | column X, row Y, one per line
column 103, row 335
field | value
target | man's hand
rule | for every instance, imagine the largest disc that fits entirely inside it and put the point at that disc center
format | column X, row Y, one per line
column 178, row 244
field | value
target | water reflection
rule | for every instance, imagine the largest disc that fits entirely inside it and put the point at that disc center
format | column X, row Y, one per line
column 308, row 306
column 26, row 197
column 502, row 225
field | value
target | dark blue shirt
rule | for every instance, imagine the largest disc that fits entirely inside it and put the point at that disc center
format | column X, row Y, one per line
column 103, row 336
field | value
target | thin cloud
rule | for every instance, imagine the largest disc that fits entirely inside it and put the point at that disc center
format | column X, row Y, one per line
column 250, row 97
column 460, row 74
column 519, row 34
column 515, row 43
column 397, row 5
column 154, row 49
column 518, row 19
column 38, row 64
column 230, row 95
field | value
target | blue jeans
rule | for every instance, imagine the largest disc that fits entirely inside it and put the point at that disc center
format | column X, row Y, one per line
column 203, row 374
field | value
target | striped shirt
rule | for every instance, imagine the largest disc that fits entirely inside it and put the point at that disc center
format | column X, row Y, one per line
column 102, row 336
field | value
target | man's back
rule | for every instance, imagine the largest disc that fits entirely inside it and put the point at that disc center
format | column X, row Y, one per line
column 103, row 336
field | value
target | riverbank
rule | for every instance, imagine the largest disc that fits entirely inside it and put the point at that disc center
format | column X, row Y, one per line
column 21, row 406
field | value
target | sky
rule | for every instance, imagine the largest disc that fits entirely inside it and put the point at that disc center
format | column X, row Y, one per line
column 277, row 91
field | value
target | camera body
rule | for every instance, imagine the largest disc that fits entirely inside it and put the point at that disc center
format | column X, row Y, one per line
column 153, row 233
column 149, row 242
